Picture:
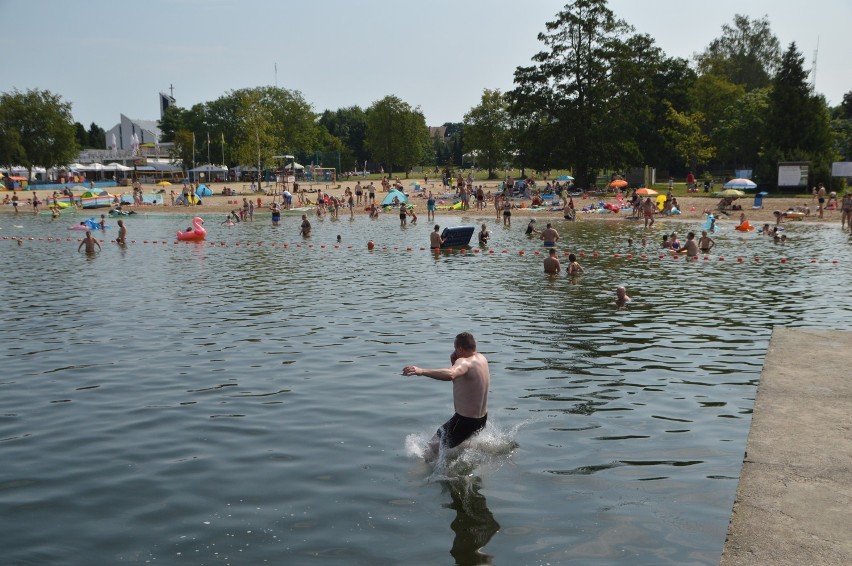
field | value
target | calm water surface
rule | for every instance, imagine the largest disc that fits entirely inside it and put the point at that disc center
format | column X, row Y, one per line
column 244, row 404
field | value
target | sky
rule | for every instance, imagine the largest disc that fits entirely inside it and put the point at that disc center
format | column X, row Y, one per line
column 112, row 57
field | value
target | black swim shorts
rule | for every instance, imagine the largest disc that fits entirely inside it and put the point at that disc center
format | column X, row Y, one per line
column 459, row 428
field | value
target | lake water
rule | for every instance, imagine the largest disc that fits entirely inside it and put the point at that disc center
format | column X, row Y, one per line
column 244, row 403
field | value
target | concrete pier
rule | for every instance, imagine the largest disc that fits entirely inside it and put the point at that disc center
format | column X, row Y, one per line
column 794, row 498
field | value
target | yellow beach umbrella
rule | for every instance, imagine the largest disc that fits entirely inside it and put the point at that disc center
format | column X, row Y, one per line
column 163, row 184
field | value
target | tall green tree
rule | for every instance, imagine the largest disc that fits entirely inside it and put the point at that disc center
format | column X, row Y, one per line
column 36, row 129
column 486, row 129
column 454, row 141
column 693, row 146
column 666, row 83
column 845, row 108
column 746, row 54
column 571, row 87
column 181, row 127
column 841, row 125
column 254, row 139
column 740, row 133
column 96, row 136
column 712, row 95
column 349, row 125
column 798, row 121
column 397, row 135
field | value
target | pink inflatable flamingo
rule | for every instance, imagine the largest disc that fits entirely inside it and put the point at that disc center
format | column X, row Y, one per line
column 196, row 234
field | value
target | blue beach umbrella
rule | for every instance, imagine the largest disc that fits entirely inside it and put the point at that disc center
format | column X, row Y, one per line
column 564, row 178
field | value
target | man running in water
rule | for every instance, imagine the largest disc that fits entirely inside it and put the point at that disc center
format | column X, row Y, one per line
column 471, row 378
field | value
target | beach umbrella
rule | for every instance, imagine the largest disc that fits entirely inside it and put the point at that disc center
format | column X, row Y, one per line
column 742, row 184
column 731, row 193
column 163, row 184
column 564, row 178
column 646, row 192
column 618, row 183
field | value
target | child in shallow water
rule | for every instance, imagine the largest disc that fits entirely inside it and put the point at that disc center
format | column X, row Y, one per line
column 621, row 297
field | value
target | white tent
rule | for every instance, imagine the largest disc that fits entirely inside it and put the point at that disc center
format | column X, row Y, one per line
column 208, row 171
column 208, row 168
column 21, row 171
column 117, row 167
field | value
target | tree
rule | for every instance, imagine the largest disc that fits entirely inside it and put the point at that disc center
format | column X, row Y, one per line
column 841, row 126
column 290, row 125
column 36, row 129
column 798, row 122
column 487, row 130
column 685, row 132
column 396, row 134
column 96, row 136
column 81, row 135
column 571, row 87
column 254, row 141
column 349, row 125
column 741, row 131
column 746, row 54
column 454, row 143
column 712, row 96
column 668, row 81
column 846, row 106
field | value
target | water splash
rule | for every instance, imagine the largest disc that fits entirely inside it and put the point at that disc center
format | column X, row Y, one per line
column 491, row 448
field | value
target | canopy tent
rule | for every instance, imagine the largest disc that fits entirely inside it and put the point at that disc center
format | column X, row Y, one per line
column 91, row 167
column 155, row 171
column 19, row 171
column 209, row 168
column 117, row 167
column 394, row 194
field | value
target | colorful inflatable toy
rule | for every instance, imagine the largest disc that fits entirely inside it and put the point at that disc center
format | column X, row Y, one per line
column 195, row 234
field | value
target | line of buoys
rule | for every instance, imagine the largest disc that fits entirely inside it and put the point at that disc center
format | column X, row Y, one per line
column 371, row 246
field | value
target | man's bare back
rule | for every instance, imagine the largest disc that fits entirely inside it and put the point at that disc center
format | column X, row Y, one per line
column 470, row 376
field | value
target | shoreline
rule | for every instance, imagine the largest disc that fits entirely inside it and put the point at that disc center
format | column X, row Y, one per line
column 693, row 208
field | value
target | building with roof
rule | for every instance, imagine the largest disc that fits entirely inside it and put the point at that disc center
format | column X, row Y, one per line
column 133, row 141
column 129, row 134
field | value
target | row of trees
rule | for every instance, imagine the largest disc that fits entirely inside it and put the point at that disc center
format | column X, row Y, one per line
column 597, row 97
column 600, row 97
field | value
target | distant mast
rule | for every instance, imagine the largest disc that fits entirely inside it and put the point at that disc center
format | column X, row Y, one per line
column 166, row 101
column 814, row 67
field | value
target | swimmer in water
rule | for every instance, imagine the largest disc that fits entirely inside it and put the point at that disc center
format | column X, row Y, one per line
column 551, row 263
column 621, row 297
column 90, row 243
column 574, row 267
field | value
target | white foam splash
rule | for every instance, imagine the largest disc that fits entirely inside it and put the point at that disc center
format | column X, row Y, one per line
column 492, row 447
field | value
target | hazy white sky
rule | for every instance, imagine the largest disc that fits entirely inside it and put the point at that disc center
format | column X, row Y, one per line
column 108, row 57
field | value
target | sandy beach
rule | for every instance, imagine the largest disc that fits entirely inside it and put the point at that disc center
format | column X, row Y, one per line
column 693, row 206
